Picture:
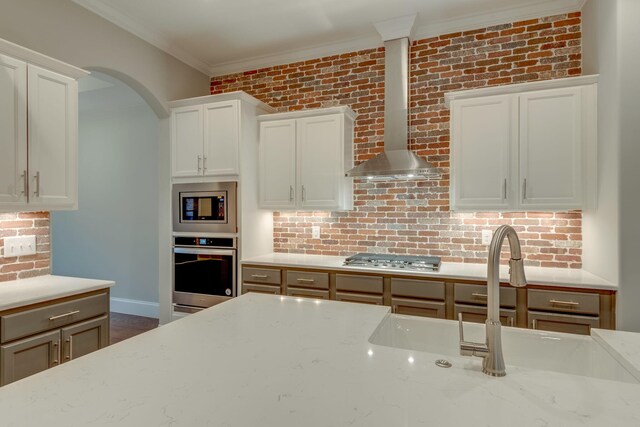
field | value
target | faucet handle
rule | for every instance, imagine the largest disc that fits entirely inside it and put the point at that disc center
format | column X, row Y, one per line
column 461, row 327
column 470, row 348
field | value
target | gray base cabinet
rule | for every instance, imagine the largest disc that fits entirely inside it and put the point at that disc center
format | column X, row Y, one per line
column 44, row 335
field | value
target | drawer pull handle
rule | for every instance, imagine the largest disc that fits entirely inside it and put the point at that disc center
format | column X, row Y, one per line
column 60, row 316
column 535, row 324
column 259, row 276
column 572, row 303
column 306, row 280
column 511, row 321
column 479, row 295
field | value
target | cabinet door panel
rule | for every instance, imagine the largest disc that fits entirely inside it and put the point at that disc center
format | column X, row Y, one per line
column 416, row 307
column 186, row 141
column 482, row 135
column 477, row 314
column 53, row 129
column 86, row 337
column 221, row 138
column 320, row 161
column 278, row 164
column 551, row 149
column 13, row 132
column 260, row 289
column 567, row 323
column 29, row 356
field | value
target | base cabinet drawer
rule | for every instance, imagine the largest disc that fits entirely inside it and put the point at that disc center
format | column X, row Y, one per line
column 415, row 307
column 361, row 298
column 303, row 279
column 260, row 289
column 477, row 314
column 409, row 288
column 568, row 323
column 307, row 293
column 563, row 302
column 33, row 321
column 477, row 294
column 270, row 276
column 356, row 283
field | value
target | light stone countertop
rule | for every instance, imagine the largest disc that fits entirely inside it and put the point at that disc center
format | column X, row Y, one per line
column 564, row 277
column 623, row 346
column 269, row 361
column 17, row 293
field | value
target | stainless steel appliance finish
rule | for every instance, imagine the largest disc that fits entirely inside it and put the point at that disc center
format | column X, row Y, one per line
column 491, row 351
column 204, row 271
column 397, row 161
column 416, row 263
column 205, row 208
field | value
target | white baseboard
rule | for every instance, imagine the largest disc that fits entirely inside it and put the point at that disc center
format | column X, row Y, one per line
column 135, row 307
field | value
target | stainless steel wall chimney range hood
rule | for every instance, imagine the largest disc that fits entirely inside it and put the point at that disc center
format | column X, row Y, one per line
column 397, row 161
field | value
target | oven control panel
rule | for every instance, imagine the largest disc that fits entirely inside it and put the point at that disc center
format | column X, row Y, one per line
column 205, row 242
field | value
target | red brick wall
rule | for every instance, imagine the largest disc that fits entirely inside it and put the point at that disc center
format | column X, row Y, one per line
column 25, row 224
column 414, row 217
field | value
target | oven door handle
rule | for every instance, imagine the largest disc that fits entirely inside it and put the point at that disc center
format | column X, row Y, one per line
column 195, row 251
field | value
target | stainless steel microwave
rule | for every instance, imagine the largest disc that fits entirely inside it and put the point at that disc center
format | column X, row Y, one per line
column 205, row 207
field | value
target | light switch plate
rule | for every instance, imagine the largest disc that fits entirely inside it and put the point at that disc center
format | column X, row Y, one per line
column 315, row 232
column 19, row 246
column 486, row 237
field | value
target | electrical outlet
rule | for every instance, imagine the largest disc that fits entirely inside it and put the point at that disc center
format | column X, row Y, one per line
column 315, row 232
column 19, row 246
column 486, row 237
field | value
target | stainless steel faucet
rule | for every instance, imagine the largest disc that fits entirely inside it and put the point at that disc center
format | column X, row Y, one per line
column 491, row 351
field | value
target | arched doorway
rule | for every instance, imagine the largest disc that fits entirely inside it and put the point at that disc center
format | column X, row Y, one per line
column 114, row 234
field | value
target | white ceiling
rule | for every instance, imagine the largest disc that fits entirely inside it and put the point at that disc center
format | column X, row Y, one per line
column 224, row 36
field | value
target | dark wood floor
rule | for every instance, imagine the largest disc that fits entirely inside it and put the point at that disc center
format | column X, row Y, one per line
column 125, row 326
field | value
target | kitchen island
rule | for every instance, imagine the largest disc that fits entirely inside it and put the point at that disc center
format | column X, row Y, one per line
column 262, row 360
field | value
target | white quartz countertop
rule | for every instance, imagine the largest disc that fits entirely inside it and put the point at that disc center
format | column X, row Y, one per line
column 565, row 277
column 17, row 293
column 262, row 360
column 623, row 346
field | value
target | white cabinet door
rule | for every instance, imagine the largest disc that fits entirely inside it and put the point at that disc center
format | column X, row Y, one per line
column 53, row 139
column 13, row 132
column 221, row 138
column 482, row 135
column 551, row 149
column 320, row 161
column 277, row 155
column 187, row 141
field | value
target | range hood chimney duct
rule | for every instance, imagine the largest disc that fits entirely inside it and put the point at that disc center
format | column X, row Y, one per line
column 397, row 161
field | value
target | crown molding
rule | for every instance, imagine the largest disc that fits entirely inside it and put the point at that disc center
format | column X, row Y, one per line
column 114, row 16
column 288, row 57
column 487, row 19
column 469, row 22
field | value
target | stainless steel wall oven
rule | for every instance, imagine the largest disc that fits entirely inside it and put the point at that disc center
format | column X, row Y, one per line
column 204, row 271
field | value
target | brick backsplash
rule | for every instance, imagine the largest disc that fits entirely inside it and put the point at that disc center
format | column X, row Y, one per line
column 25, row 224
column 414, row 216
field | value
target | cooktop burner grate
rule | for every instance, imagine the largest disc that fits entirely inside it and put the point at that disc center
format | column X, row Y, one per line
column 407, row 262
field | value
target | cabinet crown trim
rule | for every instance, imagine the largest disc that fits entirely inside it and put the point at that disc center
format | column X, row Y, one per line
column 229, row 96
column 309, row 113
column 520, row 88
column 44, row 61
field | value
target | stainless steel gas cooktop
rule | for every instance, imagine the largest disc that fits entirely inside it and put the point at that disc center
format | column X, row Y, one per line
column 407, row 262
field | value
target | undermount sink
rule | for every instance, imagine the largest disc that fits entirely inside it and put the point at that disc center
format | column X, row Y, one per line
column 547, row 351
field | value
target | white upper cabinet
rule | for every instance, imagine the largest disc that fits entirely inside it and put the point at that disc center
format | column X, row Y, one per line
column 320, row 156
column 13, row 132
column 551, row 147
column 186, row 141
column 221, row 138
column 277, row 154
column 532, row 148
column 38, row 131
column 303, row 159
column 205, row 139
column 53, row 124
column 481, row 165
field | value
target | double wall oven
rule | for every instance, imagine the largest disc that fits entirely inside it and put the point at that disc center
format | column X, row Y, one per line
column 204, row 245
